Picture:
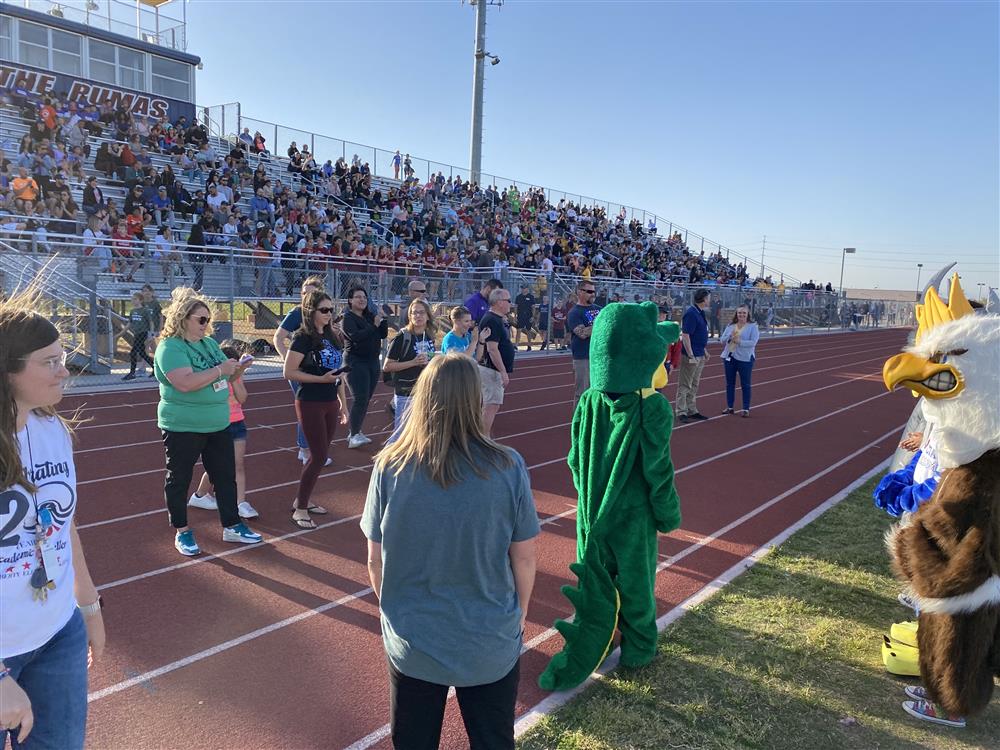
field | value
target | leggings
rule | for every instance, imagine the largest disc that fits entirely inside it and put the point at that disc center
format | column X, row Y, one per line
column 734, row 367
column 138, row 350
column 363, row 378
column 318, row 420
column 217, row 455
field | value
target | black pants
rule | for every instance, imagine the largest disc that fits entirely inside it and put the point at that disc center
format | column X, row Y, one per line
column 714, row 326
column 363, row 377
column 416, row 711
column 216, row 452
column 138, row 350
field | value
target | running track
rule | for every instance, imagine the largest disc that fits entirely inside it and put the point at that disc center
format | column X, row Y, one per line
column 278, row 645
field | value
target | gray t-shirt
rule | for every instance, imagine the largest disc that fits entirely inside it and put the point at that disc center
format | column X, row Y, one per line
column 450, row 613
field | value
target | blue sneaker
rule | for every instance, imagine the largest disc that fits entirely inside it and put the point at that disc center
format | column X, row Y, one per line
column 185, row 543
column 241, row 534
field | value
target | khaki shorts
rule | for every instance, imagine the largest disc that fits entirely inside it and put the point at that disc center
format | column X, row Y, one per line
column 492, row 385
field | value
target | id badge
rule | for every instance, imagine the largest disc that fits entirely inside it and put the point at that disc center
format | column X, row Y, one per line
column 50, row 559
column 219, row 385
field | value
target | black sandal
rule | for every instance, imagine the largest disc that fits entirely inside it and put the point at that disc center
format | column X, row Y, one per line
column 319, row 510
column 304, row 523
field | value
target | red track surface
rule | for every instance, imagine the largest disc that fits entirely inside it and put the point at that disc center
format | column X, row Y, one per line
column 278, row 645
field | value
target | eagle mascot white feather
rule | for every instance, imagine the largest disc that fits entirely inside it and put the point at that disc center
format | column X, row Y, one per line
column 948, row 551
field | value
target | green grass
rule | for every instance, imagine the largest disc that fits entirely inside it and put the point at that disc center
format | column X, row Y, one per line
column 787, row 656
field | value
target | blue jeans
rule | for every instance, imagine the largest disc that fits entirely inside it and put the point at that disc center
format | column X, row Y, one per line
column 55, row 678
column 401, row 412
column 733, row 367
column 300, row 436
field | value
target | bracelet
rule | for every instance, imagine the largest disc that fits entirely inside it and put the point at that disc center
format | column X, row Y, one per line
column 91, row 609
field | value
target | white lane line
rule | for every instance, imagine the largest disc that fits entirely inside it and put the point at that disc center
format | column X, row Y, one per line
column 376, row 400
column 555, row 700
column 253, row 635
column 504, row 437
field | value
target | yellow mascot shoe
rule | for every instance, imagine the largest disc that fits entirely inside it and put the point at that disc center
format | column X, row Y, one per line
column 904, row 632
column 899, row 658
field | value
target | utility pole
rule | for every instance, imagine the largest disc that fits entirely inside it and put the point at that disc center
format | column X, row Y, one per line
column 920, row 267
column 763, row 246
column 478, row 77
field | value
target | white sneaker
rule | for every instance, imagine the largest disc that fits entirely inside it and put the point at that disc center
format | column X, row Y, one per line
column 304, row 458
column 364, row 438
column 206, row 501
column 246, row 510
column 356, row 441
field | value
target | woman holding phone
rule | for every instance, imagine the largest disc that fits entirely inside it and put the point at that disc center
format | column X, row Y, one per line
column 315, row 360
column 740, row 339
column 363, row 334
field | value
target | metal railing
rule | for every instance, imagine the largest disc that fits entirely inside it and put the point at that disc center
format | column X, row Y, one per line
column 381, row 161
column 131, row 19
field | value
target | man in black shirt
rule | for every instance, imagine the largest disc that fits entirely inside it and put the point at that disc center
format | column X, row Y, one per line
column 498, row 358
column 525, row 304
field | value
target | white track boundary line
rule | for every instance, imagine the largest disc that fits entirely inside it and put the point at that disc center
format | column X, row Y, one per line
column 339, row 472
column 556, row 700
column 253, row 635
column 561, row 372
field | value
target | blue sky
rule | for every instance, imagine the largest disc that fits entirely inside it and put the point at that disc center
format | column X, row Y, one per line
column 821, row 125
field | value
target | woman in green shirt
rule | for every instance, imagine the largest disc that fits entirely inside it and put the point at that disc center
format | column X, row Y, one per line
column 193, row 415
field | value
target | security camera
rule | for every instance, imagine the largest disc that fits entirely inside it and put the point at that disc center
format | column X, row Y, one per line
column 495, row 61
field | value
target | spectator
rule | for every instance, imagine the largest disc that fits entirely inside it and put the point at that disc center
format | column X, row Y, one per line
column 24, row 188
column 418, row 495
column 524, row 304
column 93, row 198
column 363, row 334
column 416, row 290
column 694, row 338
column 478, row 304
column 715, row 322
column 408, row 355
column 193, row 416
column 460, row 338
column 738, row 356
column 139, row 326
column 291, row 323
column 498, row 359
column 44, row 644
column 315, row 360
column 580, row 322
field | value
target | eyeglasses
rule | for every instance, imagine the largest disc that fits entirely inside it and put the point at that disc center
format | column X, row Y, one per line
column 419, row 291
column 54, row 363
column 589, row 291
column 201, row 319
column 324, row 310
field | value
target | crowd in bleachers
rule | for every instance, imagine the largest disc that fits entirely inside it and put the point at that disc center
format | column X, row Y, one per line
column 292, row 215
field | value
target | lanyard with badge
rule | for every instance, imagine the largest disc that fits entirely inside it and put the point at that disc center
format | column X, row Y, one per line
column 218, row 385
column 45, row 551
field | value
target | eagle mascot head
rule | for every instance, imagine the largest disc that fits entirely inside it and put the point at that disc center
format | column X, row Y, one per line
column 954, row 364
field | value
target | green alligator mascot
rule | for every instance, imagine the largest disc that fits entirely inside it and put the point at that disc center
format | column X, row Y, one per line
column 620, row 460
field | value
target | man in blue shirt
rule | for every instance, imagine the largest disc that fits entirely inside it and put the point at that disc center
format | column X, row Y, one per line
column 694, row 337
column 581, row 324
column 478, row 304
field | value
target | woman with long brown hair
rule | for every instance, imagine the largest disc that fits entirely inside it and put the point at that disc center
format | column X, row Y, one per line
column 50, row 607
column 738, row 357
column 451, row 523
column 408, row 355
column 315, row 361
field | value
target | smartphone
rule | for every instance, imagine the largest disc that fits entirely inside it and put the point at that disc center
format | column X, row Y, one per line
column 342, row 370
column 246, row 359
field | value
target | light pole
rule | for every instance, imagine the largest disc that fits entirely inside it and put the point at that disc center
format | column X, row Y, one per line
column 478, row 76
column 843, row 257
column 979, row 295
column 920, row 267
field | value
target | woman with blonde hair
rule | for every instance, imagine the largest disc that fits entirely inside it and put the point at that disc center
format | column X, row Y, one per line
column 738, row 356
column 451, row 523
column 408, row 355
column 50, row 608
column 193, row 415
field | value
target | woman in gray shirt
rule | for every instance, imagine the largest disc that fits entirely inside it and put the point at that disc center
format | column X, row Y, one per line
column 738, row 355
column 451, row 524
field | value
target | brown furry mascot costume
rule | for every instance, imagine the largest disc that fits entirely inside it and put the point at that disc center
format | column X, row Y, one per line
column 948, row 551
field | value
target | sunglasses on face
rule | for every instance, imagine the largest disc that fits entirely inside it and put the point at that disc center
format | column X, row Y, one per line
column 324, row 310
column 201, row 319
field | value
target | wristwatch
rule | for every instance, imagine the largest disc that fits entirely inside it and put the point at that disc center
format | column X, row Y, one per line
column 91, row 609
